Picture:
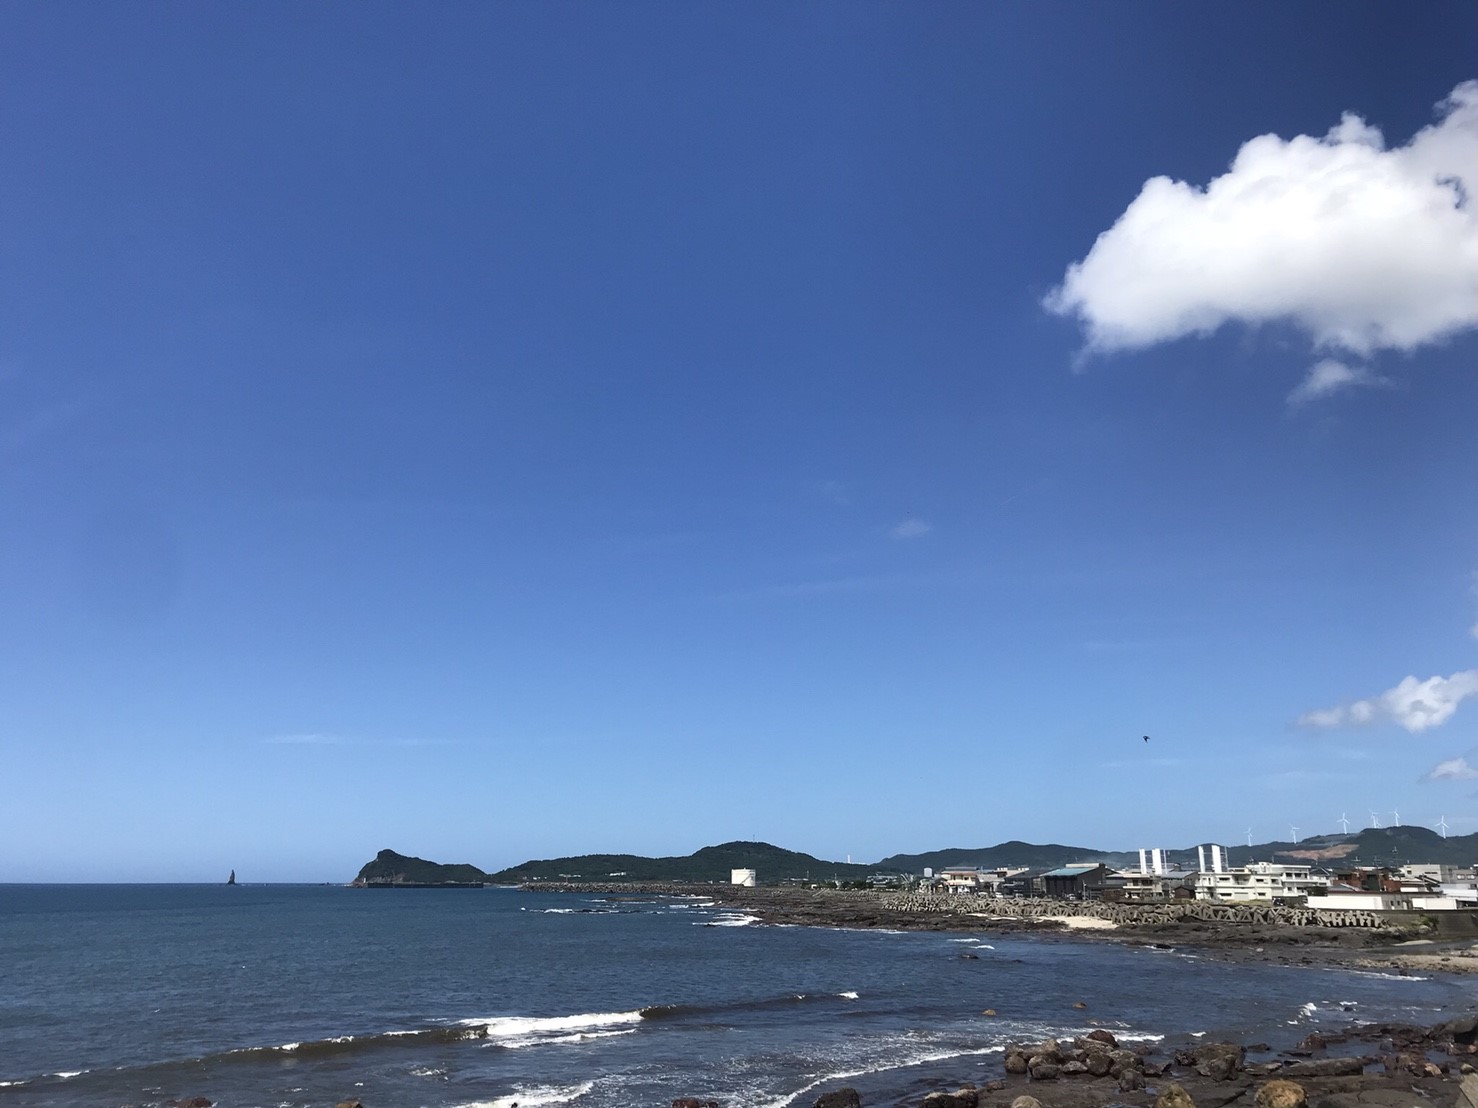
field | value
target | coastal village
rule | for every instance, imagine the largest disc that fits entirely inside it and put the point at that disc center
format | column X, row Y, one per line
column 1411, row 887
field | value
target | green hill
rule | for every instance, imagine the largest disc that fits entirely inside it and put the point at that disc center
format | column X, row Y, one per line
column 390, row 868
column 1013, row 853
column 712, row 863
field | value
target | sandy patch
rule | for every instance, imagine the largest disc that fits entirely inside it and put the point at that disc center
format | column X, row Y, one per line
column 1083, row 923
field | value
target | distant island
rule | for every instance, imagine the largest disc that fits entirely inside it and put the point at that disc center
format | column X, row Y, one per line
column 773, row 864
column 390, row 870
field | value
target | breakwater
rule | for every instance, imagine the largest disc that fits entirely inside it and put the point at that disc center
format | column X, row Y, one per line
column 918, row 903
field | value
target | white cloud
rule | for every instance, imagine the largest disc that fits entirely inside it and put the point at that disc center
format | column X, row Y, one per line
column 1414, row 705
column 1363, row 247
column 910, row 529
column 1330, row 376
column 1454, row 769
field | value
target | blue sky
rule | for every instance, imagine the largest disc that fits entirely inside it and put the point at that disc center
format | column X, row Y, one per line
column 504, row 431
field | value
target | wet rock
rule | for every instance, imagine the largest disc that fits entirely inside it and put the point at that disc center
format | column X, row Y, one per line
column 1309, row 1043
column 1048, row 1049
column 1080, row 1005
column 1099, row 1035
column 1281, row 1094
column 1326, row 1067
column 839, row 1098
column 960, row 1098
column 1461, row 1030
column 1219, row 1061
column 693, row 1102
column 1073, row 1069
column 988, row 1012
column 996, row 1086
column 1016, row 1060
column 352, row 1102
column 190, row 1102
column 1131, row 1081
column 1174, row 1096
column 1099, row 1063
column 1043, row 1070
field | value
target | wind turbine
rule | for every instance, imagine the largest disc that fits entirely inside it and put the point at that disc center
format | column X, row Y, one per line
column 1294, row 832
column 1249, row 837
column 1344, row 824
column 1397, row 817
column 1442, row 823
column 1374, row 819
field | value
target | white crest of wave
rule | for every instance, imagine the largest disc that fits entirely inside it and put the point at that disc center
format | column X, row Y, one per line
column 519, row 1027
column 851, row 995
column 532, row 1096
column 730, row 920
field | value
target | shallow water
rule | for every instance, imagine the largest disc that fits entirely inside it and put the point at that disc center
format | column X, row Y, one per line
column 281, row 996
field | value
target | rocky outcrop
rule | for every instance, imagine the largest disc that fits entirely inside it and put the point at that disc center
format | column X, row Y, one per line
column 839, row 1098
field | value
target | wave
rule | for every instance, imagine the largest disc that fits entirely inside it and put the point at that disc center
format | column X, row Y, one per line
column 729, row 919
column 532, row 1096
column 688, row 1011
column 525, row 1030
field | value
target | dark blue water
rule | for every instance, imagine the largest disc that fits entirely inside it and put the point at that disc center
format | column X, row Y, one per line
column 287, row 996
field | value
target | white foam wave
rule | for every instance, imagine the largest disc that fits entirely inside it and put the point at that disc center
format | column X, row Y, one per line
column 912, row 1060
column 531, row 1096
column 1386, row 976
column 848, row 995
column 729, row 920
column 64, row 1074
column 546, row 1028
column 519, row 1042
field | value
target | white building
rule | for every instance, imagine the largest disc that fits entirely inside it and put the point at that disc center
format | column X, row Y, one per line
column 745, row 877
column 1265, row 881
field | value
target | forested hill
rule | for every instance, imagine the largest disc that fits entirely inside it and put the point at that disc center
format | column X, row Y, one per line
column 1013, row 853
column 390, row 868
column 1372, row 846
column 712, row 863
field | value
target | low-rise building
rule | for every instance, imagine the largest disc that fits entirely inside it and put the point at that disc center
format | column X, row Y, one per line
column 1271, row 882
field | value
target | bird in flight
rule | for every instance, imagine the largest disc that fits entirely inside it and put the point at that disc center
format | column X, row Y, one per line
column 1146, row 738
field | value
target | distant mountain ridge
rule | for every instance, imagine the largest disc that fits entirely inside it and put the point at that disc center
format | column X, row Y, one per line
column 712, row 863
column 1372, row 846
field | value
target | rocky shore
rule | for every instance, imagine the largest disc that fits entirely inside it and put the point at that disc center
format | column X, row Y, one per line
column 1372, row 1066
column 1235, row 932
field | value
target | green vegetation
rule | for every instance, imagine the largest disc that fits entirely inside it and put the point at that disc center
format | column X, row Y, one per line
column 712, row 863
column 390, row 868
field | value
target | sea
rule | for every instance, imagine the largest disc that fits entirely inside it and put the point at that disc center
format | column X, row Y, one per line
column 283, row 996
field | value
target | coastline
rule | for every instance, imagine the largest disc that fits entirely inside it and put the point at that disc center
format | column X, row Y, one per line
column 1393, row 950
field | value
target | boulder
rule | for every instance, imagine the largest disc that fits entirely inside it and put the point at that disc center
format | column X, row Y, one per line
column 1099, row 1063
column 1073, row 1068
column 1219, row 1061
column 190, row 1102
column 1099, row 1035
column 352, row 1102
column 1042, row 1070
column 846, row 1097
column 1281, row 1094
column 1016, row 1060
column 1461, row 1030
column 1049, row 1049
column 1026, row 1102
column 960, row 1098
column 1174, row 1096
column 693, row 1102
column 1131, row 1081
column 996, row 1086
